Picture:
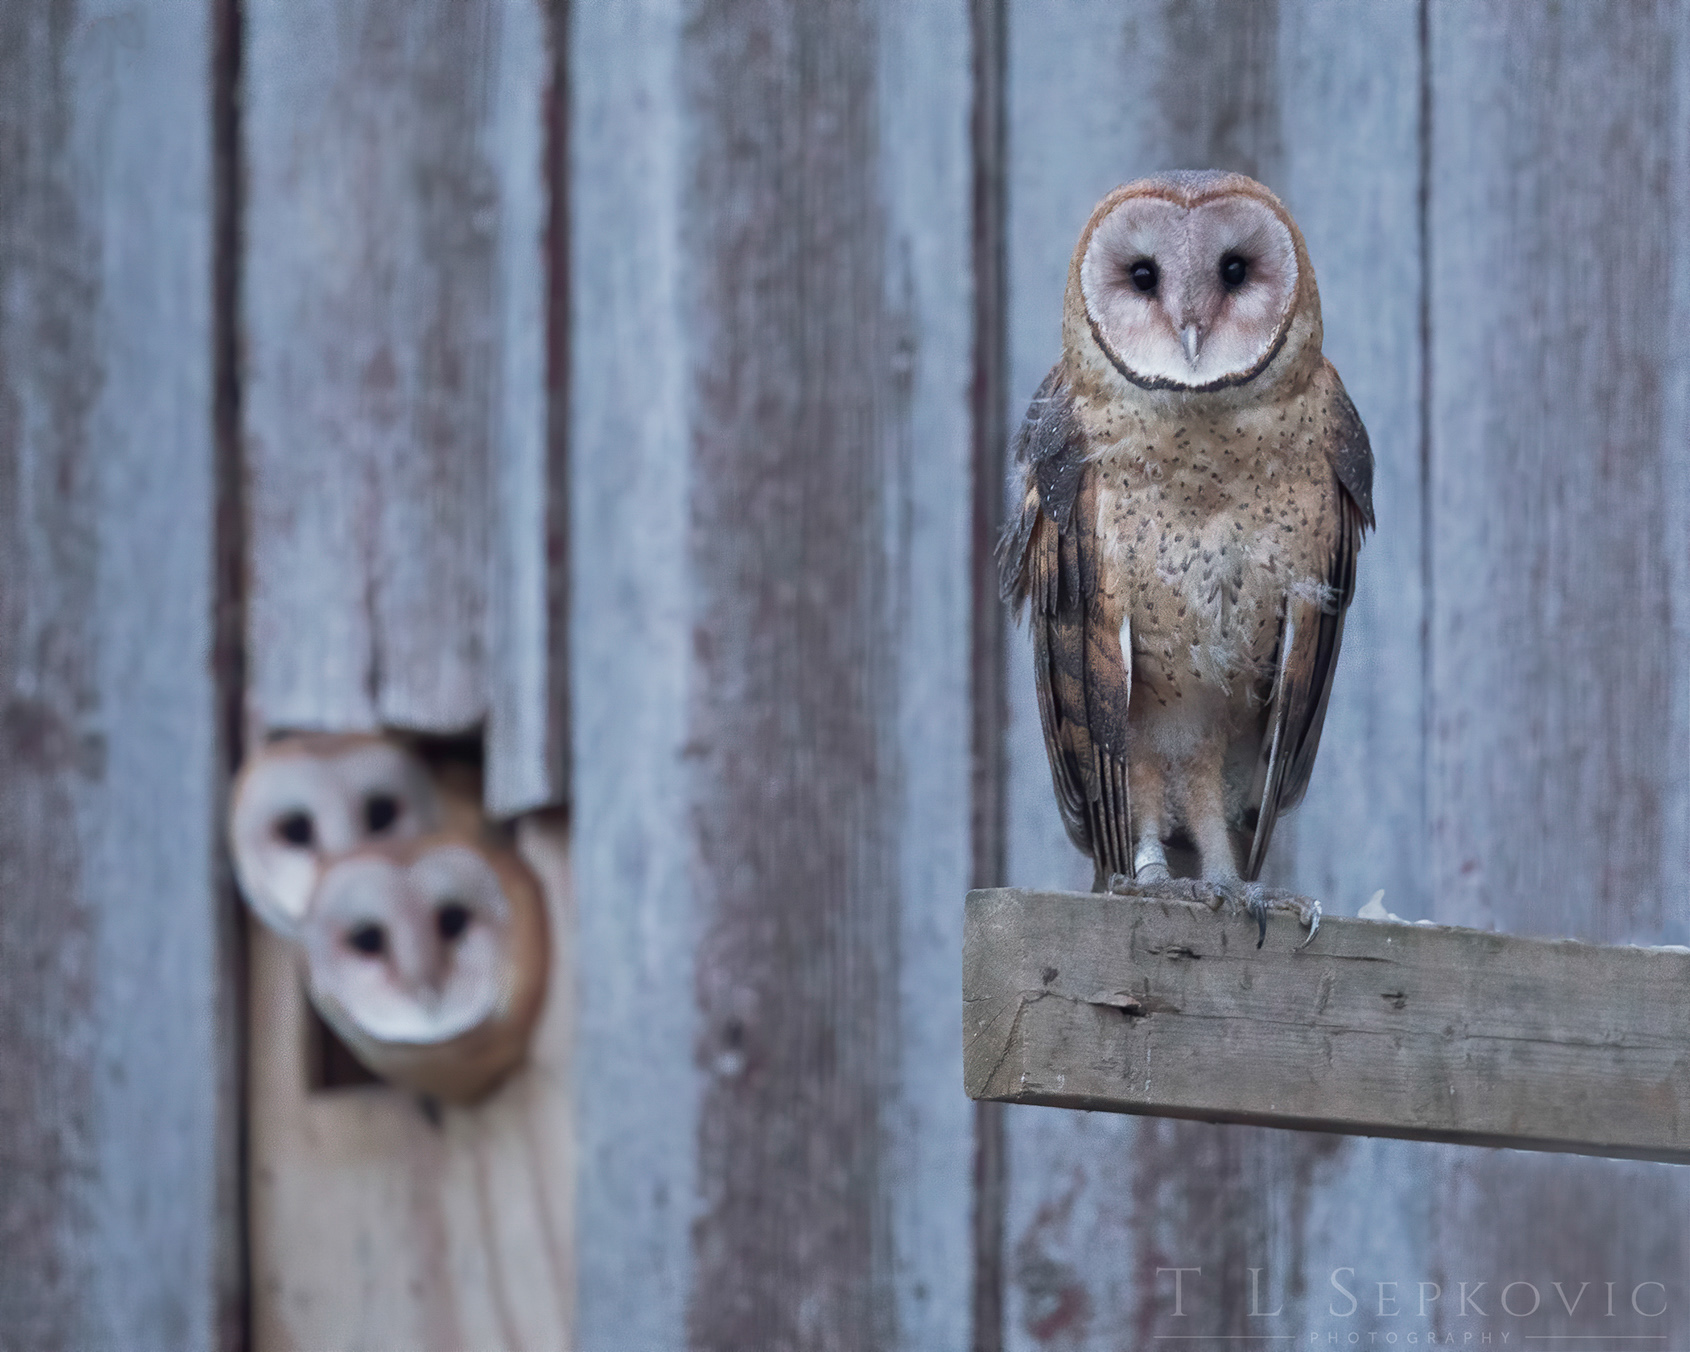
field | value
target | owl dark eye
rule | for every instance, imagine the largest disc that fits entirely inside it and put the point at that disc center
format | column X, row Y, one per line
column 381, row 810
column 1233, row 271
column 368, row 939
column 451, row 920
column 1144, row 275
column 296, row 829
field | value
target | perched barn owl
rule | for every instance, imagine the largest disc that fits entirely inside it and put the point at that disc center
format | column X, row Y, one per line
column 1194, row 484
column 304, row 799
column 429, row 958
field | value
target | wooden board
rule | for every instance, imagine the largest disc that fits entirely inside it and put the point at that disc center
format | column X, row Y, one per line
column 404, row 494
column 375, row 1225
column 119, row 1185
column 1321, row 101
column 771, row 501
column 1165, row 1008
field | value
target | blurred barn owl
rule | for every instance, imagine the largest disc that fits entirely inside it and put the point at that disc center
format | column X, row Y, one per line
column 305, row 798
column 1193, row 484
column 428, row 957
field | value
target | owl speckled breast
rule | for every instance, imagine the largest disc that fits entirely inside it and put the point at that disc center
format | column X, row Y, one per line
column 1203, row 543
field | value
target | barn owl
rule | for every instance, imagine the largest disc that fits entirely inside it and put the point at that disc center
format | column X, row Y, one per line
column 428, row 957
column 1193, row 485
column 305, row 798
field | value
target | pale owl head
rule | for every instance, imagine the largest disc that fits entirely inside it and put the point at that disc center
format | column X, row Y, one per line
column 428, row 958
column 1193, row 281
column 307, row 798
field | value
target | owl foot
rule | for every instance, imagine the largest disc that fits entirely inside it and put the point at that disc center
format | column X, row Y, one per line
column 1258, row 900
column 1166, row 889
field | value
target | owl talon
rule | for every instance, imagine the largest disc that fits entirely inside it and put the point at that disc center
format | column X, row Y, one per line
column 1259, row 900
column 1256, row 905
column 1310, row 916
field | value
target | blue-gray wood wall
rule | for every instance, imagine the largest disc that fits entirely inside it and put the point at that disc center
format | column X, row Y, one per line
column 629, row 380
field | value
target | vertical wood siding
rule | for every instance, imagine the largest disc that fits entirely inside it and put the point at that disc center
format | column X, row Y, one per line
column 404, row 546
column 1322, row 104
column 773, row 317
column 630, row 643
column 1558, row 748
column 376, row 1224
column 400, row 478
column 772, row 511
column 118, row 1199
column 1517, row 602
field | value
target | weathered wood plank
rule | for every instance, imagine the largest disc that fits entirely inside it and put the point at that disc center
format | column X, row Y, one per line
column 629, row 648
column 1557, row 311
column 119, row 1210
column 1421, row 1032
column 770, row 548
column 989, row 693
column 402, row 488
column 528, row 697
column 376, row 1226
column 1321, row 102
column 1553, row 212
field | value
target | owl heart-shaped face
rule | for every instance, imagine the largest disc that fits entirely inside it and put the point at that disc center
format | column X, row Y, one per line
column 307, row 798
column 1190, row 290
column 412, row 944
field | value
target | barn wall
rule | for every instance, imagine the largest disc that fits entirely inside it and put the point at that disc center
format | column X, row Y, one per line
column 1324, row 106
column 1491, row 233
column 1557, row 747
column 403, row 494
column 403, row 480
column 771, row 513
column 119, row 1219
column 643, row 367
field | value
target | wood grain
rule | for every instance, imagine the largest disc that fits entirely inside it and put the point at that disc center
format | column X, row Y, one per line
column 1558, row 739
column 1321, row 102
column 1376, row 1029
column 528, row 695
column 376, row 1225
column 989, row 693
column 772, row 516
column 119, row 1213
column 630, row 645
column 401, row 482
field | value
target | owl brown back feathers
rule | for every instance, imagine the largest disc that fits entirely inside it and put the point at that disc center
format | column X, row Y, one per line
column 1194, row 483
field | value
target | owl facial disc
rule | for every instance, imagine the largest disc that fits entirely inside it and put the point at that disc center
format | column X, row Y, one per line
column 410, row 945
column 307, row 798
column 1190, row 291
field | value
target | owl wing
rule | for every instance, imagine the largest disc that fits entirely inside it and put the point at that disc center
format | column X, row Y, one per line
column 1313, row 630
column 1049, row 561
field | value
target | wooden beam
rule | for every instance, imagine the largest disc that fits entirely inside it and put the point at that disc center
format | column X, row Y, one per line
column 1424, row 1032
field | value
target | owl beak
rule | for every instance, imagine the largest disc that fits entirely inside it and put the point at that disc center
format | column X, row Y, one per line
column 1191, row 340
